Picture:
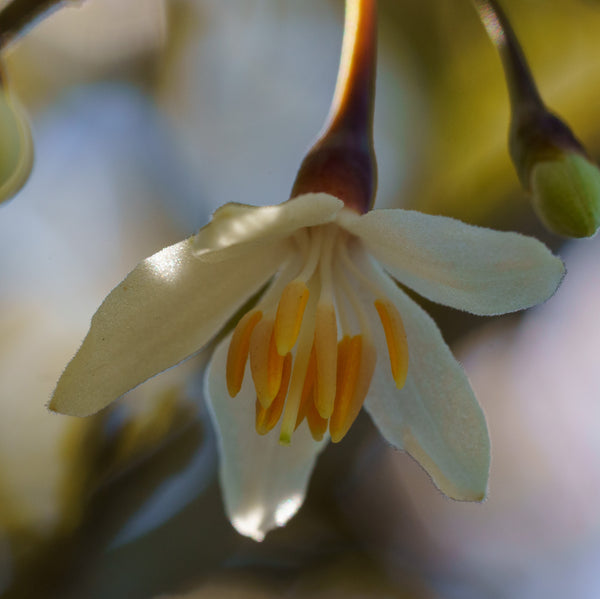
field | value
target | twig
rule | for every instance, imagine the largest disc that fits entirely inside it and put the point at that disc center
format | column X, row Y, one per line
column 20, row 15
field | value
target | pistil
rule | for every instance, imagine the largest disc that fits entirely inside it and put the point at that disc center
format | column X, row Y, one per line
column 325, row 343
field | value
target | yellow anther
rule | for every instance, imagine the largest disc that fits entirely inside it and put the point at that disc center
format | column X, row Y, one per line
column 289, row 315
column 356, row 364
column 308, row 409
column 266, row 364
column 302, row 356
column 307, row 396
column 325, row 346
column 267, row 418
column 348, row 360
column 395, row 336
column 237, row 354
column 316, row 424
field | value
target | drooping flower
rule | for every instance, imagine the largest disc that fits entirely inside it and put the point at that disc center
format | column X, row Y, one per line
column 331, row 330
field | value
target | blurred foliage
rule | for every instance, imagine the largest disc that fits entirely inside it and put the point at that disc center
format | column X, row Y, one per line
column 16, row 146
column 113, row 474
column 344, row 576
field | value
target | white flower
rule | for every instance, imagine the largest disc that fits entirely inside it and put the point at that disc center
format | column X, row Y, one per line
column 332, row 332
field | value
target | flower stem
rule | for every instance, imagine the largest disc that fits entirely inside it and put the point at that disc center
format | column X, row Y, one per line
column 19, row 15
column 342, row 161
column 354, row 97
column 535, row 134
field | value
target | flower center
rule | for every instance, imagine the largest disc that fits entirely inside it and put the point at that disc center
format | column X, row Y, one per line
column 310, row 341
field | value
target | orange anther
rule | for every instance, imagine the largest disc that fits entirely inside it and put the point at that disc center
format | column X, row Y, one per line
column 395, row 336
column 290, row 312
column 237, row 354
column 267, row 418
column 266, row 364
column 356, row 364
column 316, row 423
column 325, row 346
column 307, row 408
column 307, row 397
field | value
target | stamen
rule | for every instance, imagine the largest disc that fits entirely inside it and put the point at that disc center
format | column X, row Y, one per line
column 279, row 283
column 363, row 319
column 348, row 356
column 307, row 396
column 265, row 363
column 325, row 343
column 237, row 354
column 267, row 418
column 289, row 315
column 307, row 409
column 316, row 424
column 300, row 369
column 314, row 254
column 395, row 336
column 356, row 364
column 391, row 320
column 341, row 303
column 325, row 347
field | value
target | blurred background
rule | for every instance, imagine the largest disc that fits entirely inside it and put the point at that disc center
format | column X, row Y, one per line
column 149, row 114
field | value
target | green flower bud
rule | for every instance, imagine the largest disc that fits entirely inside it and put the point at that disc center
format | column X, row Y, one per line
column 554, row 167
column 566, row 194
column 16, row 146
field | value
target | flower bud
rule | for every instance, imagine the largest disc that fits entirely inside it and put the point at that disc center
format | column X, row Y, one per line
column 16, row 146
column 554, row 167
column 566, row 194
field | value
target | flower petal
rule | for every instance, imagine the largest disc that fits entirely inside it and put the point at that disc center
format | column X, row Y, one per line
column 263, row 483
column 470, row 268
column 167, row 308
column 435, row 417
column 235, row 225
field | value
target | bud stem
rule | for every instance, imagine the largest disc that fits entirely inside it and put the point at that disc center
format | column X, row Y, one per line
column 535, row 133
column 522, row 89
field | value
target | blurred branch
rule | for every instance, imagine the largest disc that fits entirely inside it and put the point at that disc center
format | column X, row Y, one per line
column 112, row 495
column 19, row 15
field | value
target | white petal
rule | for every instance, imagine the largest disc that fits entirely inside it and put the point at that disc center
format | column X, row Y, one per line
column 235, row 225
column 263, row 482
column 470, row 268
column 166, row 309
column 435, row 417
